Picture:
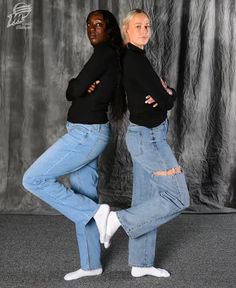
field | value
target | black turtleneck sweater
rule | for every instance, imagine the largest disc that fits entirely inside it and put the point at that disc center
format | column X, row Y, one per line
column 140, row 80
column 91, row 108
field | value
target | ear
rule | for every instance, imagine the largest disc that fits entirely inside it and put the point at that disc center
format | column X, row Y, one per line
column 126, row 32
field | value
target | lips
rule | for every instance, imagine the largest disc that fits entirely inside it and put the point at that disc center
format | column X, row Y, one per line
column 92, row 35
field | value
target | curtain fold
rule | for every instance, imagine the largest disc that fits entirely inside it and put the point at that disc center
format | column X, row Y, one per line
column 193, row 47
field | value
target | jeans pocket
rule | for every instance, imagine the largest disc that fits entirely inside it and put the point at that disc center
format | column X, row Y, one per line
column 134, row 143
column 77, row 132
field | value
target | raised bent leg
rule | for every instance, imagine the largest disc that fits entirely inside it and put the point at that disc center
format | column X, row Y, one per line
column 75, row 151
column 149, row 148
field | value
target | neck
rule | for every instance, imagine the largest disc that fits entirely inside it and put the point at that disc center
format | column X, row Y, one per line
column 139, row 46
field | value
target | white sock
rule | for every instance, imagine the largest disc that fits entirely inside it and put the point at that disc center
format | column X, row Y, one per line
column 82, row 273
column 100, row 218
column 113, row 224
column 152, row 271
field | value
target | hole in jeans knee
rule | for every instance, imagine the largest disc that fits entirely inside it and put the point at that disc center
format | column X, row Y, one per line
column 169, row 172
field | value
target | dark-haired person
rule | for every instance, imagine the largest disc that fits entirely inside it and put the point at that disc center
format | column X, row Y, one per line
column 76, row 153
column 159, row 189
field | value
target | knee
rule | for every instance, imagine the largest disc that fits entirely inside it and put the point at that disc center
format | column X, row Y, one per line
column 27, row 181
column 74, row 179
column 31, row 182
column 185, row 200
column 178, row 191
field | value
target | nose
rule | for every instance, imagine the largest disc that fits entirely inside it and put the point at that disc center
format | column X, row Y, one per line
column 91, row 29
column 145, row 30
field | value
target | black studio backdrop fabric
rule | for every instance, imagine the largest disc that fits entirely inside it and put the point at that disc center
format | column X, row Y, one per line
column 193, row 47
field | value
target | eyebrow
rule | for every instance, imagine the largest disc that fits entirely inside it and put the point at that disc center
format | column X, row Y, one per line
column 141, row 23
column 96, row 20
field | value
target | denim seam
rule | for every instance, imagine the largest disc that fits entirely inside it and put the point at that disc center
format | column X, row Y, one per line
column 145, row 259
column 87, row 254
column 157, row 151
column 140, row 265
column 95, row 144
column 60, row 160
column 90, row 267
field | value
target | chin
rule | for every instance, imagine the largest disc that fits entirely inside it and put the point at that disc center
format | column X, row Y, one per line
column 144, row 42
column 93, row 42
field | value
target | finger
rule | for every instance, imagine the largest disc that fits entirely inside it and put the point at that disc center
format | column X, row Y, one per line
column 150, row 101
column 155, row 105
column 149, row 98
column 91, row 89
column 97, row 82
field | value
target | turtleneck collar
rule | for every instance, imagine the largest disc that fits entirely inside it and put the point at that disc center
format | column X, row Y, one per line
column 105, row 43
column 135, row 48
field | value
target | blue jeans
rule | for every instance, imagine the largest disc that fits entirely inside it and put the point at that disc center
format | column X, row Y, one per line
column 156, row 199
column 76, row 153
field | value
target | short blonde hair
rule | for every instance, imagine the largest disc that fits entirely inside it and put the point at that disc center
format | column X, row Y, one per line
column 126, row 21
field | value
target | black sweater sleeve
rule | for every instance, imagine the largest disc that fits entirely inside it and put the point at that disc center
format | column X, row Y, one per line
column 91, row 72
column 144, row 74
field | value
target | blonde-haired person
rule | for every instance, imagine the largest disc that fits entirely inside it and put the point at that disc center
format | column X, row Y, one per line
column 159, row 189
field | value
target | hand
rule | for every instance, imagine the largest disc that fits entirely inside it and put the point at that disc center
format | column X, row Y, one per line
column 150, row 100
column 164, row 84
column 92, row 87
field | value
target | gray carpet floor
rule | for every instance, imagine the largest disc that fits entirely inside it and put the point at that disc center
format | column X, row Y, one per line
column 198, row 250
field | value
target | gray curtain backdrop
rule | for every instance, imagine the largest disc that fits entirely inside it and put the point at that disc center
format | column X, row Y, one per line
column 193, row 47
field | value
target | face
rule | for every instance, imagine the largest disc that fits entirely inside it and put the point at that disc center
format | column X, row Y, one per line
column 96, row 29
column 139, row 30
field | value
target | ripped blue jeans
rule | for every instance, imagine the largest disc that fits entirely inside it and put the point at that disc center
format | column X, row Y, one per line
column 160, row 192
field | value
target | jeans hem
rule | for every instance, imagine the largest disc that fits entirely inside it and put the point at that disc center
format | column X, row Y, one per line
column 141, row 265
column 127, row 230
column 91, row 268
